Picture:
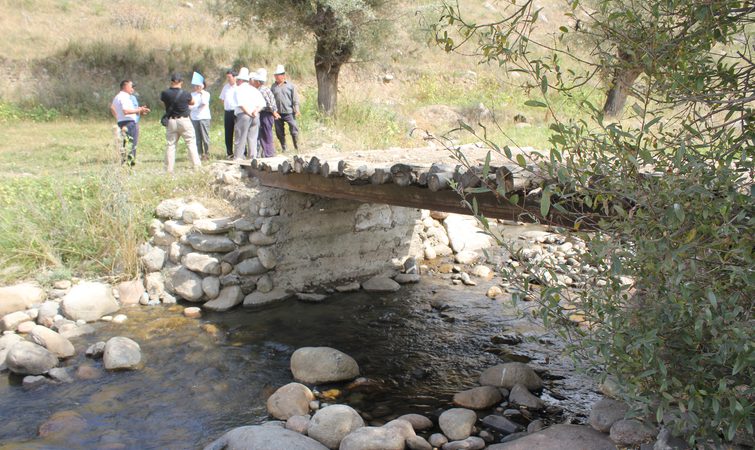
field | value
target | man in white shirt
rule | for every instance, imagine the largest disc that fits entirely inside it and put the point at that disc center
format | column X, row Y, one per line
column 126, row 114
column 229, row 118
column 200, row 118
column 249, row 103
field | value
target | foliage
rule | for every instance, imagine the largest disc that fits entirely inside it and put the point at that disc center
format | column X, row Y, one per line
column 341, row 28
column 669, row 310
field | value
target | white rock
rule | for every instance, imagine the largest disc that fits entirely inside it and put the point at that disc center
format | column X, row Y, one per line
column 28, row 358
column 199, row 262
column 13, row 320
column 509, row 374
column 121, row 353
column 89, row 301
column 290, row 400
column 120, row 318
column 464, row 233
column 229, row 297
column 457, row 423
column 177, row 228
column 129, row 292
column 373, row 438
column 194, row 211
column 52, row 341
column 19, row 297
column 170, row 208
column 213, row 226
column 380, row 284
column 331, row 424
column 318, row 365
column 184, row 283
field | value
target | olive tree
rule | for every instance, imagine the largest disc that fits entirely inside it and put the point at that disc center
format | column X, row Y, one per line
column 339, row 27
column 668, row 308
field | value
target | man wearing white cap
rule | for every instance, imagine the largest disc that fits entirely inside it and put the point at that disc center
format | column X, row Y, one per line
column 268, row 114
column 288, row 107
column 249, row 103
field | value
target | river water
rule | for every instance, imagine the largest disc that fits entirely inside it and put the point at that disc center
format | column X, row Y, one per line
column 202, row 377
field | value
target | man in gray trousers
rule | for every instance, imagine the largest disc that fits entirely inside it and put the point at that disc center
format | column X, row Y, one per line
column 249, row 102
column 288, row 107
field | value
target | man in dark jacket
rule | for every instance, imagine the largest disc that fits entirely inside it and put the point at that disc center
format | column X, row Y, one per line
column 288, row 107
column 177, row 103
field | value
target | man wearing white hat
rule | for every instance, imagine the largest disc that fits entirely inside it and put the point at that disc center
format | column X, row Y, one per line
column 288, row 107
column 249, row 103
column 268, row 114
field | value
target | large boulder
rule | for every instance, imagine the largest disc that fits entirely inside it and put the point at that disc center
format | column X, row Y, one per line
column 210, row 243
column 28, row 358
column 89, row 301
column 258, row 437
column 318, row 365
column 52, row 341
column 509, row 374
column 184, row 283
column 19, row 297
column 606, row 412
column 229, row 297
column 129, row 292
column 465, row 233
column 373, row 438
column 482, row 397
column 331, row 424
column 10, row 322
column 121, row 353
column 6, row 342
column 290, row 400
column 380, row 284
column 200, row 262
column 258, row 298
column 457, row 423
column 560, row 437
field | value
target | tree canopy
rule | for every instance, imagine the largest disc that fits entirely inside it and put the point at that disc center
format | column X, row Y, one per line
column 669, row 312
column 340, row 28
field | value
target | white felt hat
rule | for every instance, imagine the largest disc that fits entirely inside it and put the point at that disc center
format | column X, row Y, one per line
column 243, row 74
column 279, row 70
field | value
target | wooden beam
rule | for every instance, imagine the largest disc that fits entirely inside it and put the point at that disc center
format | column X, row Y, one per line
column 407, row 196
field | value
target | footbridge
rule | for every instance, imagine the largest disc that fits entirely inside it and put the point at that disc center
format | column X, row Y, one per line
column 432, row 179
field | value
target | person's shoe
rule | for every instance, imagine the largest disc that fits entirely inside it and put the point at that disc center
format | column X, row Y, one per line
column 131, row 160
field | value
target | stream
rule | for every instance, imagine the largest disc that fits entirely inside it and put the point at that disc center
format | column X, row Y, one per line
column 202, row 377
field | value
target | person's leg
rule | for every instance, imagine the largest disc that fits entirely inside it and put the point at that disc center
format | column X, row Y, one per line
column 266, row 135
column 171, row 136
column 229, row 120
column 204, row 128
column 294, row 129
column 187, row 133
column 240, row 132
column 134, row 140
column 254, row 129
column 280, row 132
column 198, row 135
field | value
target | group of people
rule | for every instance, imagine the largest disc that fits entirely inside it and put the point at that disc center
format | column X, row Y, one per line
column 251, row 111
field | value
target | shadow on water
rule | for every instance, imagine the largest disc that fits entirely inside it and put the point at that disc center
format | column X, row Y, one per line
column 203, row 377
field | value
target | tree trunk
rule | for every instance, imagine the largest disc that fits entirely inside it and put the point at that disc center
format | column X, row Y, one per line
column 617, row 96
column 327, row 85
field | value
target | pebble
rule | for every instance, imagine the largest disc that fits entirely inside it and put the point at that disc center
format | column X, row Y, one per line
column 193, row 312
column 120, row 318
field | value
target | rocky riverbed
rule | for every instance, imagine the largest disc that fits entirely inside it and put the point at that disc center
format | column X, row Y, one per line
column 427, row 351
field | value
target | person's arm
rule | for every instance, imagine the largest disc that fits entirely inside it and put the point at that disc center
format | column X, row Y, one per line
column 112, row 111
column 295, row 101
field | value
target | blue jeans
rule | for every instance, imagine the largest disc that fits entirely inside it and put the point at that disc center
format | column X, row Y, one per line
column 132, row 130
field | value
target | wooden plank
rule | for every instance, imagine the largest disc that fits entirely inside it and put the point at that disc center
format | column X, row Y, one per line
column 408, row 196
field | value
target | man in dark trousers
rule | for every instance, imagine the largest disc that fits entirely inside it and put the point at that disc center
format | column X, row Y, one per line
column 177, row 103
column 126, row 113
column 229, row 117
column 288, row 107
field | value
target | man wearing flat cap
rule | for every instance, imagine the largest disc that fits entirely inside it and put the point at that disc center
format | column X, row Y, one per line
column 288, row 107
